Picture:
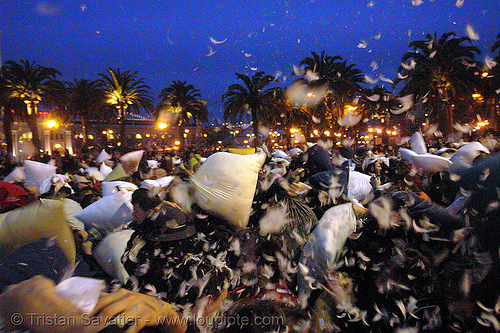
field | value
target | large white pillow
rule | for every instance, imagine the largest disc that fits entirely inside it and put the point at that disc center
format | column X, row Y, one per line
column 109, row 213
column 109, row 252
column 108, row 188
column 462, row 159
column 103, row 156
column 105, row 170
column 130, row 161
column 323, row 248
column 431, row 163
column 359, row 186
column 36, row 172
column 225, row 185
column 417, row 143
column 407, row 154
column 17, row 175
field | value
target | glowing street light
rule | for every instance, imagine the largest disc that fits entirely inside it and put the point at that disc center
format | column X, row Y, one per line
column 51, row 124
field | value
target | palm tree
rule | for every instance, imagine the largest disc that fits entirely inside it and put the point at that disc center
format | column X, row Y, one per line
column 438, row 72
column 83, row 99
column 124, row 90
column 342, row 81
column 491, row 85
column 185, row 104
column 250, row 101
column 32, row 84
column 8, row 106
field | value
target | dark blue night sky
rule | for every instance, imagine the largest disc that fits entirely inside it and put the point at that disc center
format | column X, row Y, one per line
column 206, row 42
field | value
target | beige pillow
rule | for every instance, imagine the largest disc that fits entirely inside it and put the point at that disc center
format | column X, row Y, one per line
column 225, row 185
column 37, row 220
column 130, row 161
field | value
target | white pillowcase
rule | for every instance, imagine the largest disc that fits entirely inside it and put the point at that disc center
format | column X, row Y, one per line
column 36, row 172
column 17, row 175
column 109, row 252
column 130, row 161
column 108, row 188
column 225, row 185
column 105, row 170
column 109, row 213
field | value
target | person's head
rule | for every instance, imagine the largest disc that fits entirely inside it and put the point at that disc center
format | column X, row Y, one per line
column 253, row 315
column 143, row 201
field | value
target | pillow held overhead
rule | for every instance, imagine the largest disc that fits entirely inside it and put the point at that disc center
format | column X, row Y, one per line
column 36, row 172
column 130, row 161
column 103, row 156
column 225, row 185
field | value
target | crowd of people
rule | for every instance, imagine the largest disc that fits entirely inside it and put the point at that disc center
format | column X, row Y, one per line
column 338, row 239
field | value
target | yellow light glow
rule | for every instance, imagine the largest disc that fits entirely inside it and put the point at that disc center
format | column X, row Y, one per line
column 104, row 132
column 293, row 130
column 162, row 125
column 111, row 132
column 389, row 132
column 379, row 130
column 138, row 136
column 177, row 142
column 51, row 124
column 327, row 133
column 485, row 74
column 475, row 96
column 370, row 130
column 57, row 146
column 186, row 130
column 315, row 132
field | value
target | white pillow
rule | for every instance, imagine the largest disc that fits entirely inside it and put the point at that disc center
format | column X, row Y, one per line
column 225, row 185
column 156, row 185
column 462, row 159
column 109, row 252
column 109, row 213
column 359, row 186
column 130, row 161
column 105, row 170
column 17, row 175
column 431, row 163
column 108, row 188
column 407, row 154
column 36, row 172
column 57, row 180
column 103, row 156
column 153, row 163
column 323, row 248
column 94, row 173
column 417, row 143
